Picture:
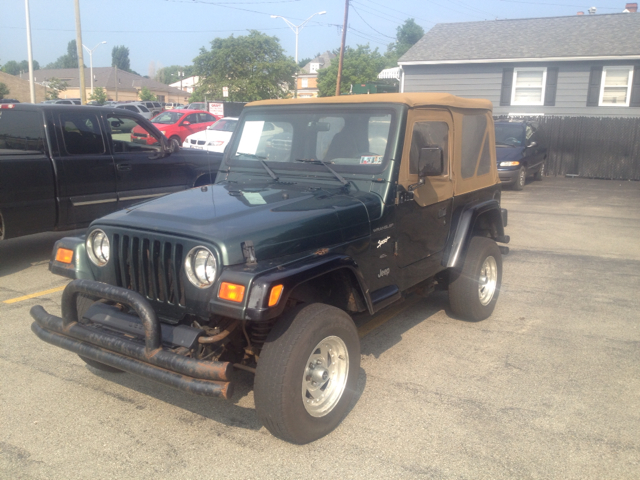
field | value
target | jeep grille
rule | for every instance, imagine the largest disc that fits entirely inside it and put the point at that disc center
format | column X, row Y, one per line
column 150, row 267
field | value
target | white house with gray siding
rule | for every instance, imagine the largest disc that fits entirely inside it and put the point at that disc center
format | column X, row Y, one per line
column 583, row 65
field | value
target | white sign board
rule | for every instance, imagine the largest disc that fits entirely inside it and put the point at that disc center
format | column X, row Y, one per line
column 216, row 109
column 225, row 91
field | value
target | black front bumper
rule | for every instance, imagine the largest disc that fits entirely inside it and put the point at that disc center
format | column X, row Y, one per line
column 148, row 359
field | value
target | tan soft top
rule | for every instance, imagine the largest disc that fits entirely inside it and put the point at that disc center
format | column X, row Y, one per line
column 413, row 100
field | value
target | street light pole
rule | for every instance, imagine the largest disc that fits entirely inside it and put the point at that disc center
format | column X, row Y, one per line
column 296, row 28
column 90, row 50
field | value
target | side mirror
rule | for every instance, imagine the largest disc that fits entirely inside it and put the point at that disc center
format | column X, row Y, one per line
column 431, row 162
column 186, row 124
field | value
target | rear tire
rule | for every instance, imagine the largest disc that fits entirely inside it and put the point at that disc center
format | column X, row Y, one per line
column 474, row 288
column 307, row 373
column 520, row 179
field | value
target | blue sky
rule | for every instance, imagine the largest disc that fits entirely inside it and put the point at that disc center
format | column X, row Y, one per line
column 171, row 32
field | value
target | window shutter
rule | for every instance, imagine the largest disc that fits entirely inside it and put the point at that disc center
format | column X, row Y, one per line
column 595, row 78
column 635, row 88
column 550, row 89
column 507, row 83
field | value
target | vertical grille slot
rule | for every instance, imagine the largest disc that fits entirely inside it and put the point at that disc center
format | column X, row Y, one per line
column 150, row 267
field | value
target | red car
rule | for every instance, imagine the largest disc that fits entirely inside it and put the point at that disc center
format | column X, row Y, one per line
column 176, row 125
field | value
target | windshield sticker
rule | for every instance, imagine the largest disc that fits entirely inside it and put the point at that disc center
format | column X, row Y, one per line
column 254, row 198
column 251, row 134
column 371, row 160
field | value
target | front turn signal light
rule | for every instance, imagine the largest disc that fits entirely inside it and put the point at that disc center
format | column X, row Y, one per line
column 274, row 296
column 64, row 255
column 231, row 291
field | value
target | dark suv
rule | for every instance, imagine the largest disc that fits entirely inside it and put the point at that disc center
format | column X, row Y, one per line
column 323, row 208
column 519, row 152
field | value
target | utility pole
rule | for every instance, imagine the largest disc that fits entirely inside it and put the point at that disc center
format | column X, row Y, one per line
column 32, row 86
column 344, row 38
column 83, row 92
column 116, row 70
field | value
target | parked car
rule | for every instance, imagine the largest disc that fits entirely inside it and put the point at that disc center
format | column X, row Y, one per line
column 215, row 137
column 136, row 107
column 9, row 100
column 519, row 152
column 177, row 125
column 62, row 166
column 172, row 105
column 369, row 198
column 154, row 107
column 67, row 101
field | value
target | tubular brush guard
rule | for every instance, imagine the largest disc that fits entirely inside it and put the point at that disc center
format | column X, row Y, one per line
column 150, row 360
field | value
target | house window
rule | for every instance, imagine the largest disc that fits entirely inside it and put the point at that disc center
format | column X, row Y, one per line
column 305, row 83
column 314, row 67
column 528, row 86
column 615, row 86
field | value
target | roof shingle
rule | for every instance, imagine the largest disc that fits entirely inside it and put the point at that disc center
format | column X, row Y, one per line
column 575, row 36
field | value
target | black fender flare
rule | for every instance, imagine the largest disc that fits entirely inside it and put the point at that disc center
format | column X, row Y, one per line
column 293, row 275
column 462, row 226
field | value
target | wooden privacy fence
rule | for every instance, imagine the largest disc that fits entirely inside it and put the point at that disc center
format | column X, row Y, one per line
column 593, row 147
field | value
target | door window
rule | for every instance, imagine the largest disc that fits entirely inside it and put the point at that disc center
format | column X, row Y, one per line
column 429, row 134
column 193, row 118
column 81, row 134
column 128, row 135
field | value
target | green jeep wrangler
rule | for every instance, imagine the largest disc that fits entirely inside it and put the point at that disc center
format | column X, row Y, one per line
column 322, row 209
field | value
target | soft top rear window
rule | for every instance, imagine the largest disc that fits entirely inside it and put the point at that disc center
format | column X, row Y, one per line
column 21, row 132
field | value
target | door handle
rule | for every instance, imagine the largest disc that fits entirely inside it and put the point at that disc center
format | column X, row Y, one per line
column 124, row 167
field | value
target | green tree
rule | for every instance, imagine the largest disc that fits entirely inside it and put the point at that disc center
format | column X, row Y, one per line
column 54, row 87
column 120, row 58
column 253, row 67
column 146, row 95
column 169, row 75
column 360, row 65
column 407, row 35
column 14, row 68
column 70, row 60
column 11, row 67
column 99, row 95
column 4, row 90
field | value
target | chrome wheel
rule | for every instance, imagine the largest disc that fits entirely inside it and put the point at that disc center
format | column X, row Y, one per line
column 325, row 376
column 488, row 280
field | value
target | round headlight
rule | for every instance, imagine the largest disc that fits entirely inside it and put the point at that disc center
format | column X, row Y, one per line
column 200, row 266
column 98, row 247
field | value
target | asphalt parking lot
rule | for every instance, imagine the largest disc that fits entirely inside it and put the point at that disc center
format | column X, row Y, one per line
column 548, row 387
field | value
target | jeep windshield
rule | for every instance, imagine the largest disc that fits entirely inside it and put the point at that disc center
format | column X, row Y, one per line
column 350, row 138
column 509, row 134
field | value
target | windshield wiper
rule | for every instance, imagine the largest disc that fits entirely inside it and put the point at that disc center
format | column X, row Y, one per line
column 343, row 180
column 264, row 164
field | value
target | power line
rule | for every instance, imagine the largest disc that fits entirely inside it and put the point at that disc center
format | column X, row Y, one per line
column 148, row 31
column 377, row 31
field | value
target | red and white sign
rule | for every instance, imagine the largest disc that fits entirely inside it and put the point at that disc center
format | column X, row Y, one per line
column 216, row 109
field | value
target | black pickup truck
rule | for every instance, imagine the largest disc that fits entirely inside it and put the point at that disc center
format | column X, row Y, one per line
column 62, row 166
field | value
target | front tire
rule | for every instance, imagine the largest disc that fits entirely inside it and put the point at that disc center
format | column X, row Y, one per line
column 520, row 179
column 540, row 173
column 307, row 373
column 474, row 288
column 176, row 139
